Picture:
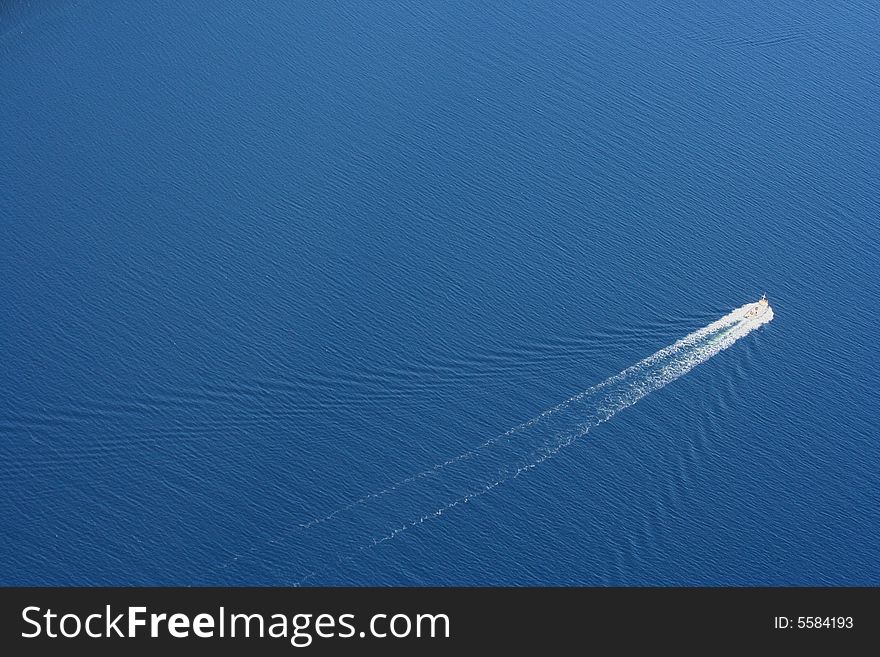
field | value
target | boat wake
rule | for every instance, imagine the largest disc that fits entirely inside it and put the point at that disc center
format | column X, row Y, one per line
column 328, row 540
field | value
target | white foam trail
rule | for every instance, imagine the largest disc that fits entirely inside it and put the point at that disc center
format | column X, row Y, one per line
column 611, row 396
column 379, row 517
column 728, row 321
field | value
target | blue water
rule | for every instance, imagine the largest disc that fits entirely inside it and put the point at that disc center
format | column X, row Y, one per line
column 259, row 262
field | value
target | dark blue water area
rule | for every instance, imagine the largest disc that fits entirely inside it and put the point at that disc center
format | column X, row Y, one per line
column 257, row 262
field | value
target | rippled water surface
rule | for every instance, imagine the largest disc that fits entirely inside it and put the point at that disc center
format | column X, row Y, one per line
column 269, row 275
